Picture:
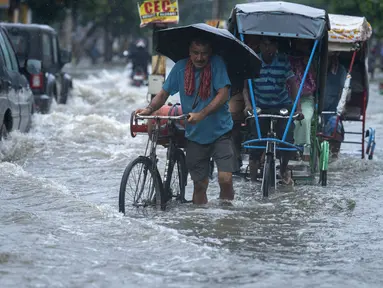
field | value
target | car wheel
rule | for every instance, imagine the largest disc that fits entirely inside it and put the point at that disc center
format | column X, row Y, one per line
column 30, row 120
column 56, row 97
column 3, row 132
column 63, row 99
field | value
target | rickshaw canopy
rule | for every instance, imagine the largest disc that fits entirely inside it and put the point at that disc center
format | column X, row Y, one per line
column 280, row 18
column 346, row 31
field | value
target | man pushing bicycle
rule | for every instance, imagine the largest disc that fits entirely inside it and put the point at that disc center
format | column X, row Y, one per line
column 203, row 85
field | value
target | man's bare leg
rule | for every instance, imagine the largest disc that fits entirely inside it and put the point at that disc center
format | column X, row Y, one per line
column 253, row 167
column 334, row 148
column 199, row 194
column 225, row 180
column 285, row 173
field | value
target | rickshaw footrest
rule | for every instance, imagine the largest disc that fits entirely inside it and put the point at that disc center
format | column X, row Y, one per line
column 352, row 142
column 354, row 133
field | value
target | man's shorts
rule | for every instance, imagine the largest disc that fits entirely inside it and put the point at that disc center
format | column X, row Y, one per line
column 198, row 157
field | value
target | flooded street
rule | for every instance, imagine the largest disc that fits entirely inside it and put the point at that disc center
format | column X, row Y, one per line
column 60, row 225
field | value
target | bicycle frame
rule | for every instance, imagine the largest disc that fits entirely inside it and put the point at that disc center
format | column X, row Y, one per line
column 155, row 135
column 270, row 150
column 154, row 139
column 271, row 140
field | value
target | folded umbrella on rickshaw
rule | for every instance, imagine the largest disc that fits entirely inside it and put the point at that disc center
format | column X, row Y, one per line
column 242, row 62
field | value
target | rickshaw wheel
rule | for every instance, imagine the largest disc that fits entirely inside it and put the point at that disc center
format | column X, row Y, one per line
column 323, row 177
column 315, row 148
column 371, row 154
column 370, row 133
column 267, row 175
column 323, row 162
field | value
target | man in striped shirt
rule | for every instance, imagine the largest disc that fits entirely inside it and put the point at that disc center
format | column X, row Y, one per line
column 271, row 94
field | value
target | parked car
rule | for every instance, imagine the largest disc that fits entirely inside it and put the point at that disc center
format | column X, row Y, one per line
column 41, row 42
column 16, row 98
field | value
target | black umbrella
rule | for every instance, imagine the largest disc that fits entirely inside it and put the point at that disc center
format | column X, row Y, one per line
column 242, row 62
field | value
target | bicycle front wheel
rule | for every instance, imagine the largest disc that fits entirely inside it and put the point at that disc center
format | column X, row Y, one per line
column 268, row 175
column 141, row 186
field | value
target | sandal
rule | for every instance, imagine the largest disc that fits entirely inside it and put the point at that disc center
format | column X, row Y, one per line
column 286, row 181
column 306, row 158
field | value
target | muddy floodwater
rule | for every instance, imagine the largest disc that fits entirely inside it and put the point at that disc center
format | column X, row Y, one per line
column 60, row 225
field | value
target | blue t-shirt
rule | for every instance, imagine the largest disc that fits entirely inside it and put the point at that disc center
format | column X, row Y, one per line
column 214, row 125
column 270, row 88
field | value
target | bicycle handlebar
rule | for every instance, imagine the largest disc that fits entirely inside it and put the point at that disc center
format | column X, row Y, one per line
column 298, row 116
column 157, row 117
column 295, row 117
column 329, row 112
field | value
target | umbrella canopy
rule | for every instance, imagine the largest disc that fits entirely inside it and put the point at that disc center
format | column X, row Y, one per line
column 242, row 62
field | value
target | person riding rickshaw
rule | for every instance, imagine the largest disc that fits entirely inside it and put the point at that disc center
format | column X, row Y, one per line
column 271, row 27
column 202, row 75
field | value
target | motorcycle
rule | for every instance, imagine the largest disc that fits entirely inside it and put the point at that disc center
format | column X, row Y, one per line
column 138, row 77
column 125, row 56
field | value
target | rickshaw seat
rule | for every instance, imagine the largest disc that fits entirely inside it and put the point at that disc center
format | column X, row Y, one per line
column 357, row 80
column 356, row 99
column 353, row 113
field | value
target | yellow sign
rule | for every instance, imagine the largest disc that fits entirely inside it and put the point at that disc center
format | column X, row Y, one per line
column 4, row 3
column 221, row 24
column 158, row 11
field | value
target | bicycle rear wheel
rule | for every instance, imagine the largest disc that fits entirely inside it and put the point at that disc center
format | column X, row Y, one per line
column 144, row 192
column 175, row 186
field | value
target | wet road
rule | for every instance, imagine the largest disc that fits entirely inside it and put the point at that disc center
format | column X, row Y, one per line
column 60, row 225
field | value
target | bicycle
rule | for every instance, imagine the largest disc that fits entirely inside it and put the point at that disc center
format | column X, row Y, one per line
column 269, row 178
column 168, row 132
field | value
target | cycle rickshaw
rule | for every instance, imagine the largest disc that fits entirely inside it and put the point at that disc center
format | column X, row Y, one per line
column 166, row 126
column 349, row 37
column 286, row 21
